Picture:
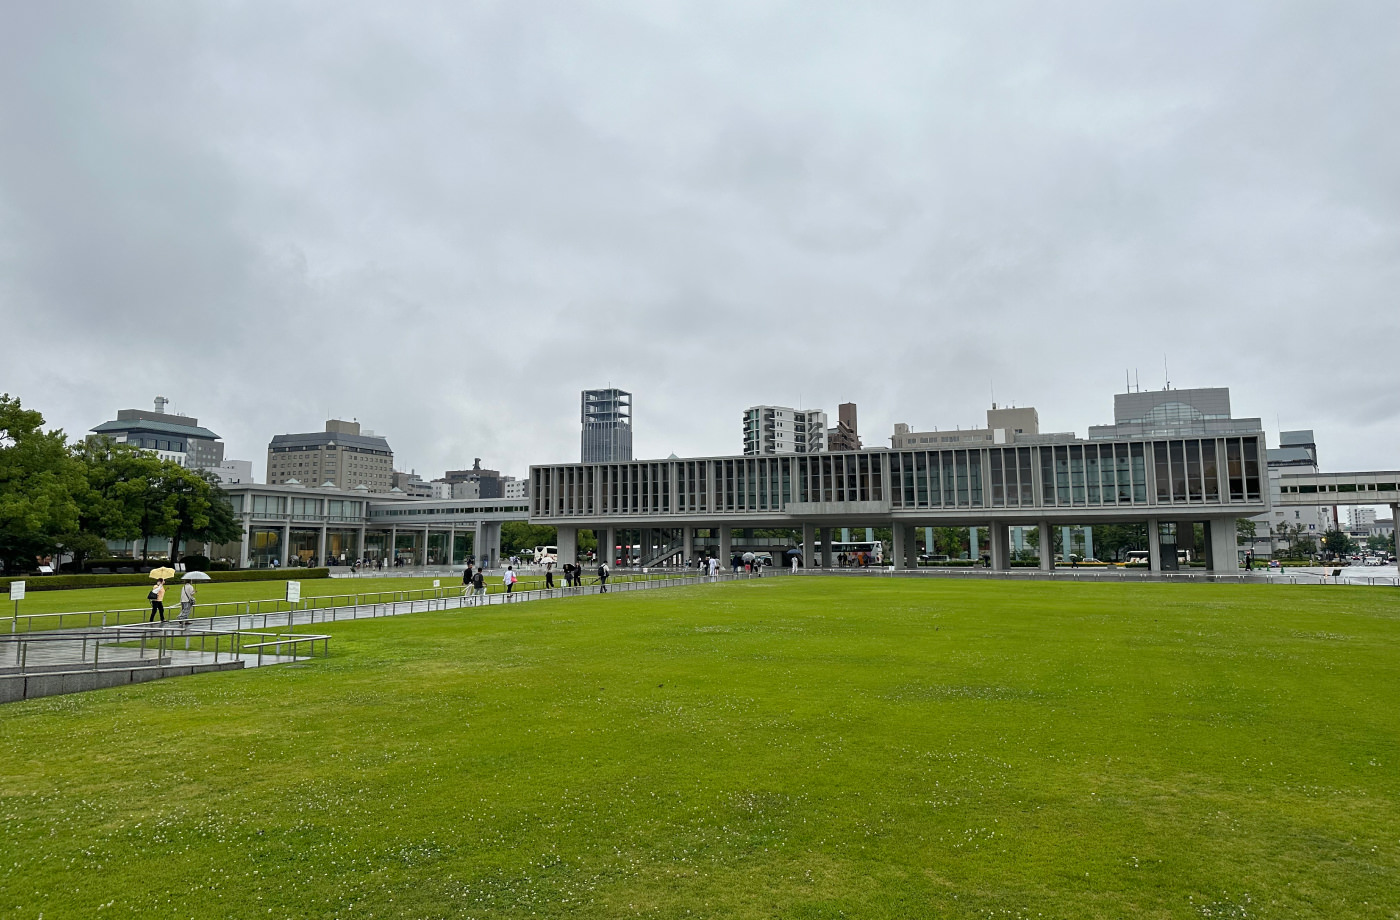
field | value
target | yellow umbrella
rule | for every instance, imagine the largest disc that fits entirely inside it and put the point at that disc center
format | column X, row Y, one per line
column 163, row 572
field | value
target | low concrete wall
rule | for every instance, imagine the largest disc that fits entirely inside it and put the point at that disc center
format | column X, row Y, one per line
column 17, row 687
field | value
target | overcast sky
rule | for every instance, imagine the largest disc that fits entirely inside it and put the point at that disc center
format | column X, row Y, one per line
column 445, row 220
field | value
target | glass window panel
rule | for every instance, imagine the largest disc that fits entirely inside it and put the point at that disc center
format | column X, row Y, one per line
column 995, row 470
column 1193, row 470
column 1163, row 471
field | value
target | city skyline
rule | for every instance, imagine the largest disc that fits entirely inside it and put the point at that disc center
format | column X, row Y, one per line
column 446, row 226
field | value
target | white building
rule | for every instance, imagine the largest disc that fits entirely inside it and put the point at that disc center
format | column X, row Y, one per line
column 1360, row 518
column 233, row 472
column 783, row 430
column 1004, row 426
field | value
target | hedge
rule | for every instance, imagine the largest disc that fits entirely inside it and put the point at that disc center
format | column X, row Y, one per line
column 64, row 582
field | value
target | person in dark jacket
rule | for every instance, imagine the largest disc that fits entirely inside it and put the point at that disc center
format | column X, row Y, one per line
column 603, row 577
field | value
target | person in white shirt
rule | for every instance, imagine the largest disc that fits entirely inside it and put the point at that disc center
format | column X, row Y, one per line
column 509, row 579
column 187, row 602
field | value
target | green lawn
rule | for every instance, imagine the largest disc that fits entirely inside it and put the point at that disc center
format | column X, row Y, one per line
column 779, row 748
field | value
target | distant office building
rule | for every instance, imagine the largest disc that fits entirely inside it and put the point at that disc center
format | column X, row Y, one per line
column 475, row 482
column 1360, row 519
column 607, row 426
column 514, row 488
column 341, row 455
column 1004, row 426
column 233, row 472
column 780, row 430
column 412, row 485
column 846, row 435
column 1173, row 413
column 1296, row 453
column 166, row 434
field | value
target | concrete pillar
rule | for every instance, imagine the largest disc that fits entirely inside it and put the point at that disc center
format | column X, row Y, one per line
column 244, row 547
column 1154, row 545
column 1047, row 547
column 286, row 548
column 900, row 534
column 321, row 547
column 687, row 544
column 809, row 546
column 726, row 545
column 492, row 550
column 566, row 539
column 1222, row 546
column 425, row 546
column 607, row 546
column 393, row 553
column 1000, row 538
column 451, row 545
column 360, row 550
column 973, row 550
column 1088, row 542
column 826, row 533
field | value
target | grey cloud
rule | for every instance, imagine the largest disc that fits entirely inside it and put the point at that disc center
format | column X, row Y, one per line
column 446, row 219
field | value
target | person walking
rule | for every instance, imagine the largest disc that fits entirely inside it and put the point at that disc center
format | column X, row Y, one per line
column 603, row 577
column 549, row 576
column 187, row 602
column 157, row 599
column 509, row 579
column 478, row 588
column 1249, row 562
column 794, row 563
column 467, row 580
column 714, row 567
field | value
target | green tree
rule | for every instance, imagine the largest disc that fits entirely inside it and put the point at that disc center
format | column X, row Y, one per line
column 518, row 536
column 1247, row 528
column 1336, row 542
column 194, row 508
column 39, row 486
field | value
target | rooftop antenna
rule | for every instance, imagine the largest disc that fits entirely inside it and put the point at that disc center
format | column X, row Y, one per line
column 1165, row 373
column 1137, row 376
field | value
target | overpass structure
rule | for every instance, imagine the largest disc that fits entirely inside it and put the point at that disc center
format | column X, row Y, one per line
column 1380, row 487
column 1055, row 480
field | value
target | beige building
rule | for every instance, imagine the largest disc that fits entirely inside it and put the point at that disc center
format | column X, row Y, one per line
column 341, row 455
column 1004, row 426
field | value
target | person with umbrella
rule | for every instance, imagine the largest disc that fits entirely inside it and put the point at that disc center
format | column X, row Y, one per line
column 186, row 601
column 157, row 595
column 748, row 561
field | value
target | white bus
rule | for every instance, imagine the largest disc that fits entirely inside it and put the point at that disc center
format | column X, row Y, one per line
column 545, row 554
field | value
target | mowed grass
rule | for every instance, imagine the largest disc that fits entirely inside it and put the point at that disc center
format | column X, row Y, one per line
column 779, row 748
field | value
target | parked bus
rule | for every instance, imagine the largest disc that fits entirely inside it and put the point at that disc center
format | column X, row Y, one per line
column 545, row 554
column 874, row 551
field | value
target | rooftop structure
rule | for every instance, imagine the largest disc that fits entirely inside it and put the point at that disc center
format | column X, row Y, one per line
column 341, row 455
column 607, row 426
column 1172, row 413
column 166, row 434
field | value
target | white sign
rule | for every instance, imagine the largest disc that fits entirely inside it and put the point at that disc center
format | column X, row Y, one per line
column 293, row 592
column 16, row 590
column 437, row 583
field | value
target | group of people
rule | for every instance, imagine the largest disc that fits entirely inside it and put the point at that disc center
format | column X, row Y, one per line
column 157, row 599
column 474, row 581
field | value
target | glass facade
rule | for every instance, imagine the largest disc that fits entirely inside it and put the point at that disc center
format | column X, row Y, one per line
column 1078, row 474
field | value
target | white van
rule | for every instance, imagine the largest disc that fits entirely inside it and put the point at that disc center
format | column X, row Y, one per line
column 545, row 554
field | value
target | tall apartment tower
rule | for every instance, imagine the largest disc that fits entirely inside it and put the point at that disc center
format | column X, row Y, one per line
column 607, row 426
column 845, row 436
column 780, row 430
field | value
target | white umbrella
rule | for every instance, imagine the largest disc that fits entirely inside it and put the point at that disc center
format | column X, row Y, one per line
column 749, row 557
column 197, row 576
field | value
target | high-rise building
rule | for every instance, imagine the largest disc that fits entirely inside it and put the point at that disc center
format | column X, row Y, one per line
column 167, row 434
column 780, row 430
column 845, row 436
column 1360, row 519
column 341, row 455
column 607, row 426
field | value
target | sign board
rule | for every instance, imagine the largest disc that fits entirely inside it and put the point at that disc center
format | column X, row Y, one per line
column 293, row 592
column 437, row 583
column 16, row 590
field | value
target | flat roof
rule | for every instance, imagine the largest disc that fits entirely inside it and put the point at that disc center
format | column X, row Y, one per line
column 193, row 431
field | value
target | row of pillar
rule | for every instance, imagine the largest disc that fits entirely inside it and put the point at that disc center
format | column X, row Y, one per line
column 486, row 545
